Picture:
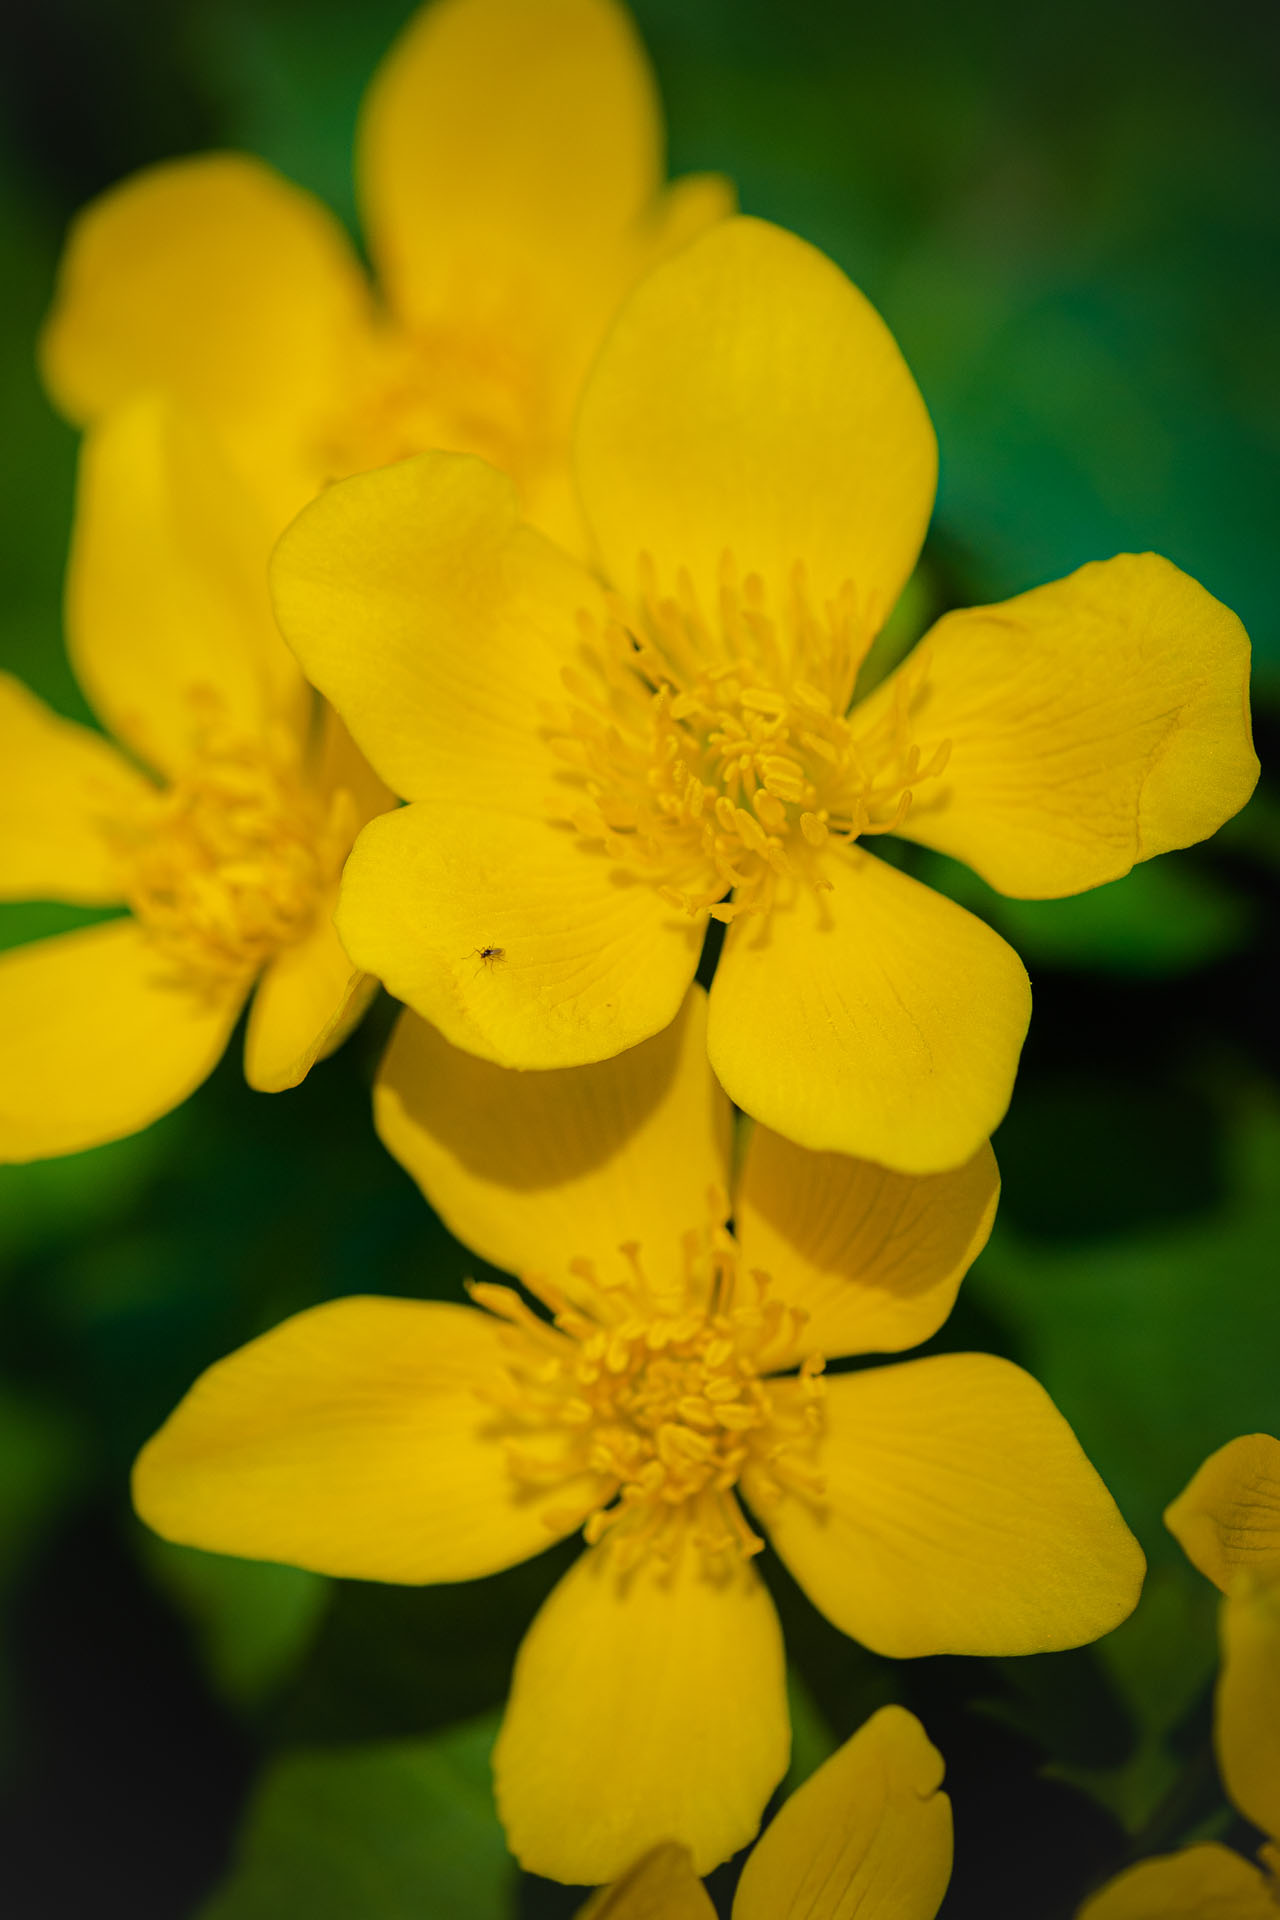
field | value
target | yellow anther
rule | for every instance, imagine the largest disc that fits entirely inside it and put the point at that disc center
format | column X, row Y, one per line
column 658, row 1393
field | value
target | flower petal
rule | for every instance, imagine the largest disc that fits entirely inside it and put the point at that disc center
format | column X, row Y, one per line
column 1206, row 1882
column 877, row 1019
column 584, row 960
column 352, row 1440
column 307, row 1002
column 345, row 777
column 97, row 1039
column 505, row 145
column 873, row 1258
column 169, row 621
column 60, row 785
column 1093, row 723
column 1227, row 1519
column 312, row 997
column 533, row 1170
column 959, row 1516
column 662, row 1886
column 645, row 1706
column 1247, row 1716
column 750, row 400
column 437, row 625
column 867, row 1834
column 217, row 282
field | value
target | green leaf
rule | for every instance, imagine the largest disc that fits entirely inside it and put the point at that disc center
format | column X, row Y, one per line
column 812, row 1740
column 402, row 1830
column 253, row 1620
column 1158, row 1345
column 1165, row 918
column 1160, row 1661
column 42, row 1455
column 56, row 1202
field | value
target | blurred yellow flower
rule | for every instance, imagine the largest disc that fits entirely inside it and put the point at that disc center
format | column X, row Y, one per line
column 509, row 167
column 592, row 773
column 941, row 1505
column 1228, row 1524
column 226, row 850
column 867, row 1834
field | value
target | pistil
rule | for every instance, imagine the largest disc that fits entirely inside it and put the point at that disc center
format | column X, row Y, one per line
column 719, row 757
column 659, row 1394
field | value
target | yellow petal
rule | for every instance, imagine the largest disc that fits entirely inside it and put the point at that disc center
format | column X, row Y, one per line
column 168, row 616
column 873, row 1258
column 518, row 942
column 534, row 1169
column 1207, row 1882
column 867, row 1835
column 662, row 1886
column 644, row 1706
column 97, row 1039
column 344, row 776
column 1247, row 1717
column 437, row 625
column 1227, row 1519
column 312, row 997
column 876, row 1019
column 959, row 1516
column 308, row 1001
column 352, row 1440
column 502, row 145
column 60, row 786
column 750, row 400
column 213, row 280
column 1093, row 723
column 685, row 209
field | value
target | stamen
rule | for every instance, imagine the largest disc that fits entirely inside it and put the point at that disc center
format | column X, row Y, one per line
column 659, row 1392
column 470, row 387
column 714, row 754
column 230, row 863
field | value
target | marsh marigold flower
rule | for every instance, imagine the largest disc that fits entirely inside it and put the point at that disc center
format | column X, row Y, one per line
column 509, row 171
column 1228, row 1524
column 868, row 1834
column 667, row 1371
column 221, row 822
column 594, row 771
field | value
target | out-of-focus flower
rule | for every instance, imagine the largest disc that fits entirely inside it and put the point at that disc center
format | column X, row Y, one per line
column 938, row 1505
column 509, row 166
column 592, row 773
column 227, row 850
column 867, row 1834
column 1228, row 1524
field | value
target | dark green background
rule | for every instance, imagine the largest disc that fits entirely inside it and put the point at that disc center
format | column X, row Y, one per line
column 1069, row 218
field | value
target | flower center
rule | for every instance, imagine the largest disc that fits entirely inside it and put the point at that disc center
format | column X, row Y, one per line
column 659, row 1395
column 229, row 864
column 466, row 389
column 719, row 755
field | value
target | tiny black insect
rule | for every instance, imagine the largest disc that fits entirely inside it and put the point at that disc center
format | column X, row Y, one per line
column 491, row 955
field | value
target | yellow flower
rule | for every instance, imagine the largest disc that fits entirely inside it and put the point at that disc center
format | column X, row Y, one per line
column 592, row 772
column 867, row 1834
column 226, row 851
column 509, row 166
column 938, row 1505
column 1228, row 1524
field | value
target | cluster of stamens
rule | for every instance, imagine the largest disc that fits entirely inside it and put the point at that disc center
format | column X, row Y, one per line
column 470, row 390
column 716, row 755
column 659, row 1396
column 228, row 865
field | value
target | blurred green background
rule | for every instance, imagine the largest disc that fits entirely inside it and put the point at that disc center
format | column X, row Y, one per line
column 1069, row 218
